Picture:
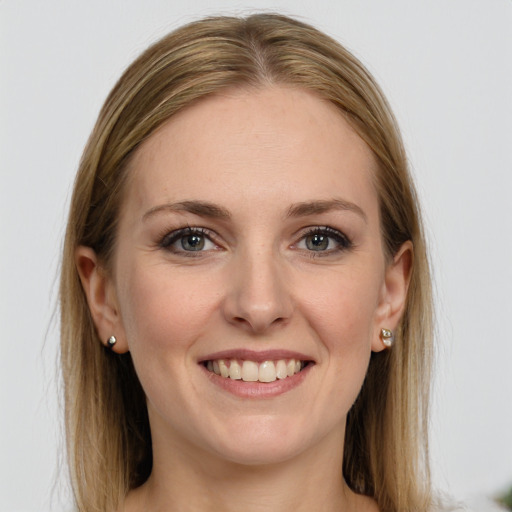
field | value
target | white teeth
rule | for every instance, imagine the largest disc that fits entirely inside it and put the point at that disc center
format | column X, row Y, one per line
column 281, row 372
column 251, row 371
column 290, row 367
column 267, row 372
column 224, row 370
column 235, row 370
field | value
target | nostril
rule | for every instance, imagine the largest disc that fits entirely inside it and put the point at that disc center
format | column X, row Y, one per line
column 255, row 308
column 258, row 324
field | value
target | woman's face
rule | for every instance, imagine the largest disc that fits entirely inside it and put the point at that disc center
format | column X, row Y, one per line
column 249, row 244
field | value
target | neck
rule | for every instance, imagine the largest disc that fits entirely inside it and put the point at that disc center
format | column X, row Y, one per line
column 188, row 481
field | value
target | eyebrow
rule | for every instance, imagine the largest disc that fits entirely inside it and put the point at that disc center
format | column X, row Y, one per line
column 323, row 206
column 202, row 208
column 207, row 209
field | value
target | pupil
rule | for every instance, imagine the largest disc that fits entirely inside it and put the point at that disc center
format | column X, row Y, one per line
column 317, row 242
column 192, row 243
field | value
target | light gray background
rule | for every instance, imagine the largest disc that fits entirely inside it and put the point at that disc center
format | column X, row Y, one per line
column 446, row 66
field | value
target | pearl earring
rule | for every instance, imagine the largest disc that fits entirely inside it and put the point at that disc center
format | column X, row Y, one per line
column 387, row 337
column 111, row 342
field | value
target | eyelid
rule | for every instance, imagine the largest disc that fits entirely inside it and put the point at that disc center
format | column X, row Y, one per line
column 169, row 237
column 342, row 240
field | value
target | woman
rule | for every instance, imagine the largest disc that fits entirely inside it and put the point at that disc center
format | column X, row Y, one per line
column 245, row 294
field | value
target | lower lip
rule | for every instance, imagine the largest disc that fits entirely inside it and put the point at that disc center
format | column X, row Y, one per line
column 258, row 390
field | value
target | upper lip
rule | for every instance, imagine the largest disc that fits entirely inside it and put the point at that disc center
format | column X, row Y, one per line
column 256, row 356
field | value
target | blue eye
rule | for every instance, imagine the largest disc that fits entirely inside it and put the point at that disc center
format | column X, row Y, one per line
column 187, row 240
column 324, row 239
column 192, row 242
column 317, row 242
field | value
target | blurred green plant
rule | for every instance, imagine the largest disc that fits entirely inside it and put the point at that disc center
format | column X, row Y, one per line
column 506, row 499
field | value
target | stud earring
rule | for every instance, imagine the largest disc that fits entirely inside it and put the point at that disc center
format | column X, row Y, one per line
column 111, row 342
column 387, row 337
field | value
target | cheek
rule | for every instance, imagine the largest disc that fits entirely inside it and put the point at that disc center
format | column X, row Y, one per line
column 342, row 315
column 164, row 314
column 343, row 308
column 162, row 310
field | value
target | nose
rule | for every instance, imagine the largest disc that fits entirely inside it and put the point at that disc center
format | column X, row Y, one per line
column 258, row 297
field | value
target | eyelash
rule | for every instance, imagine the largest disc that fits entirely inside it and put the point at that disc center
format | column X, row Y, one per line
column 169, row 239
column 343, row 243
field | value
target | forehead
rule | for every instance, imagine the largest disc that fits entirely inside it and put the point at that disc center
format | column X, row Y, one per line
column 275, row 143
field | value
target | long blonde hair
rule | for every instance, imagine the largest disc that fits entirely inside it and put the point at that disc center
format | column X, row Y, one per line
column 108, row 436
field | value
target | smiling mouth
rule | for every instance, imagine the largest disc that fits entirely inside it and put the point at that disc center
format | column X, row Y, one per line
column 252, row 371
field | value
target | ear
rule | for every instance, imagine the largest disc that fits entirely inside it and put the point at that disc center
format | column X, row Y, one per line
column 393, row 294
column 101, row 298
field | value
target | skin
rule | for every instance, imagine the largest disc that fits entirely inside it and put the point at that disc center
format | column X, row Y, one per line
column 256, row 285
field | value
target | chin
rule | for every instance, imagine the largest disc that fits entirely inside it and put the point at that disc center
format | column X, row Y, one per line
column 263, row 442
column 263, row 455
